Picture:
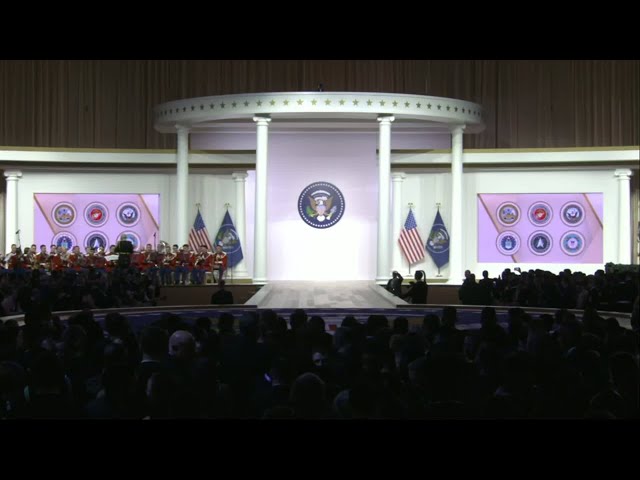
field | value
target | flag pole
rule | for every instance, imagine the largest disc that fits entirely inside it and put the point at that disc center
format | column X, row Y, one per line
column 438, row 207
column 227, row 205
column 410, row 209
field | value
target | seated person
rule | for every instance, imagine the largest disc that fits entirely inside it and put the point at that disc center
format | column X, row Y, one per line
column 219, row 263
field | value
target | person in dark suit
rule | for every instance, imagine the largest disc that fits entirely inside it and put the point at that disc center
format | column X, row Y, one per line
column 124, row 249
column 222, row 296
column 395, row 284
column 418, row 290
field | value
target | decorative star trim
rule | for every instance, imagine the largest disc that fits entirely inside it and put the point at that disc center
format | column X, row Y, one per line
column 211, row 105
column 201, row 107
column 272, row 103
column 355, row 102
column 429, row 106
column 395, row 104
column 418, row 105
column 456, row 109
column 286, row 102
column 184, row 109
column 300, row 102
column 259, row 103
column 327, row 102
column 439, row 107
column 246, row 104
column 222, row 105
column 314, row 101
column 234, row 104
column 193, row 108
column 407, row 104
column 369, row 102
column 448, row 108
column 382, row 102
column 341, row 102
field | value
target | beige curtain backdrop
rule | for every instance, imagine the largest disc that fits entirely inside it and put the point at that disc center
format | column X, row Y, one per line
column 108, row 104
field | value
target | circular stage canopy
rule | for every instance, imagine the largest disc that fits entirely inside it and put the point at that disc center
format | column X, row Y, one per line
column 206, row 113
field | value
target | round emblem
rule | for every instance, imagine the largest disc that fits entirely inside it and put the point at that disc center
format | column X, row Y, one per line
column 438, row 241
column 508, row 214
column 64, row 239
column 321, row 205
column 133, row 238
column 96, row 214
column 96, row 240
column 128, row 214
column 540, row 214
column 229, row 239
column 508, row 243
column 572, row 243
column 540, row 243
column 572, row 214
column 63, row 214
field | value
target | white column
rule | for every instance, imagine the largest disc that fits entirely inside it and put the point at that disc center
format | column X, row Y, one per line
column 182, row 186
column 397, row 178
column 260, row 223
column 384, row 173
column 11, row 218
column 240, row 270
column 624, row 215
column 456, row 233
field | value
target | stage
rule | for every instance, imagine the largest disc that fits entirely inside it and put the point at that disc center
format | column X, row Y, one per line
column 304, row 294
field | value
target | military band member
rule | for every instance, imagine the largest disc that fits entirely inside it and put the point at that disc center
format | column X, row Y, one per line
column 219, row 263
column 200, row 265
column 183, row 265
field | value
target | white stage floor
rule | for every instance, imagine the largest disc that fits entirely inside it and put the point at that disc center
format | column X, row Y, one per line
column 346, row 294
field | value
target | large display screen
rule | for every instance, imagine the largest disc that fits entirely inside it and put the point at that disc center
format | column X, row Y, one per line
column 95, row 219
column 540, row 227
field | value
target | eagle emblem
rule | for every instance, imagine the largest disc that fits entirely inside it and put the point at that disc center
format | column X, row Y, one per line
column 321, row 205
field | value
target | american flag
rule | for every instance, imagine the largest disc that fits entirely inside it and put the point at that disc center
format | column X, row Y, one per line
column 199, row 235
column 410, row 241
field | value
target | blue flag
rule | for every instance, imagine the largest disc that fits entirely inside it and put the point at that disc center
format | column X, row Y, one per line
column 230, row 241
column 438, row 242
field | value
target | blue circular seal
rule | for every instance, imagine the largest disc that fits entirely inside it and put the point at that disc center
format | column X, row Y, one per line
column 64, row 239
column 508, row 214
column 321, row 205
column 540, row 214
column 228, row 239
column 63, row 214
column 438, row 241
column 133, row 238
column 508, row 243
column 128, row 214
column 572, row 214
column 96, row 214
column 96, row 240
column 540, row 243
column 572, row 243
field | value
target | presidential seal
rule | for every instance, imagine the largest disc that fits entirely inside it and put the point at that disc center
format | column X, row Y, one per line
column 132, row 237
column 63, row 214
column 508, row 243
column 96, row 214
column 540, row 214
column 128, row 214
column 321, row 205
column 572, row 243
column 96, row 240
column 64, row 239
column 572, row 214
column 540, row 243
column 508, row 214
